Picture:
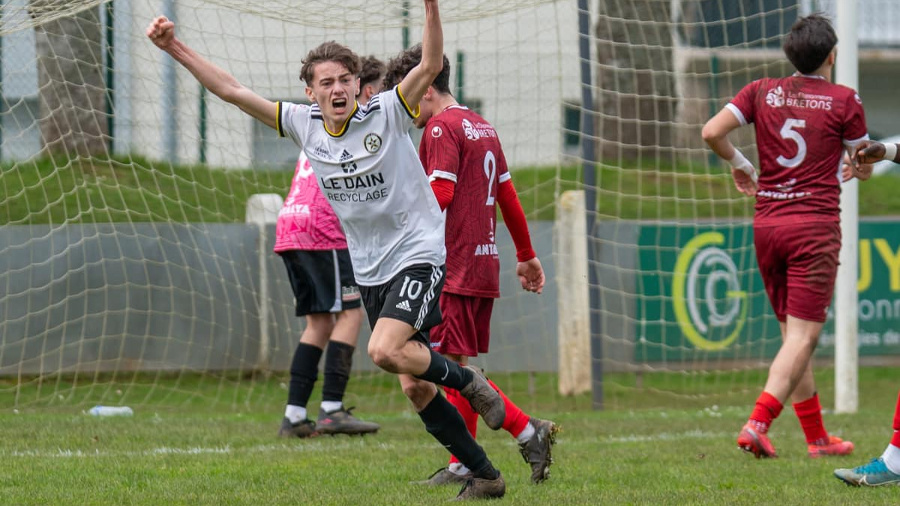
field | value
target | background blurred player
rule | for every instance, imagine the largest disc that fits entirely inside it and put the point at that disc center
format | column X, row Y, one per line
column 309, row 238
column 803, row 125
column 464, row 160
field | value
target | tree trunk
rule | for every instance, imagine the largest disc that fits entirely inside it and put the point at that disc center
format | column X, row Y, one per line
column 72, row 91
column 637, row 94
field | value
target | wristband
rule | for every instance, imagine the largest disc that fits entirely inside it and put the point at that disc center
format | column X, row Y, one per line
column 740, row 162
column 890, row 151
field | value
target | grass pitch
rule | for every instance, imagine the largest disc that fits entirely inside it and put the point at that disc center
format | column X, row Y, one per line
column 227, row 452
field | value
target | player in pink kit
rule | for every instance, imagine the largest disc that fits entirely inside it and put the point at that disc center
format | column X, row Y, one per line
column 804, row 123
column 461, row 153
column 309, row 238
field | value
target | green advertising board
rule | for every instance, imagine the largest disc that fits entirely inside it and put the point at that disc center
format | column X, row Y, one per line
column 700, row 294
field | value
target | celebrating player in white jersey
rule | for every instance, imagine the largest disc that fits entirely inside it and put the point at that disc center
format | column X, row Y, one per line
column 368, row 169
column 462, row 155
column 309, row 239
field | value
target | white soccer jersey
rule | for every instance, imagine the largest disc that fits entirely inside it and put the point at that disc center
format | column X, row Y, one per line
column 371, row 174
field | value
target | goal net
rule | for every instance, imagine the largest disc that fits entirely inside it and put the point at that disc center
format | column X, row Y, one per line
column 132, row 270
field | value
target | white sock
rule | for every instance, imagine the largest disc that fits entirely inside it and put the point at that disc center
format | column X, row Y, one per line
column 526, row 434
column 458, row 468
column 891, row 458
column 331, row 406
column 295, row 414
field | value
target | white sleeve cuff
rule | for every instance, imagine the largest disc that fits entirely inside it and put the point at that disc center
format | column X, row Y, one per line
column 737, row 113
column 442, row 174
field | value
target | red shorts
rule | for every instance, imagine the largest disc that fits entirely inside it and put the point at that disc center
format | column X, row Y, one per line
column 798, row 263
column 466, row 327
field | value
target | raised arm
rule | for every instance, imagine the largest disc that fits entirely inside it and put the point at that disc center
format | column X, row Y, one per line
column 417, row 81
column 222, row 84
column 715, row 133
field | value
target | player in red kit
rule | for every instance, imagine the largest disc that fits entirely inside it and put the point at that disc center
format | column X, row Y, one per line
column 883, row 470
column 463, row 158
column 804, row 124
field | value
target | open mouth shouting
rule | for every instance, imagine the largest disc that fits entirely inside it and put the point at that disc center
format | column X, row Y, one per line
column 340, row 105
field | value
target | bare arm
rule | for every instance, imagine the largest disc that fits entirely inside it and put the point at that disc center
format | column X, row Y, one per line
column 222, row 84
column 872, row 151
column 715, row 133
column 417, row 81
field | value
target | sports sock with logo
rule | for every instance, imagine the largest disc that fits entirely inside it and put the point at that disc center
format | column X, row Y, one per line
column 446, row 372
column 810, row 414
column 766, row 410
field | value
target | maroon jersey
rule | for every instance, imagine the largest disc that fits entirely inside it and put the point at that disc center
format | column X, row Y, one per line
column 802, row 125
column 461, row 146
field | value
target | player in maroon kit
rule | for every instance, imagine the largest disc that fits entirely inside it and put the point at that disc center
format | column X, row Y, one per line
column 462, row 155
column 804, row 123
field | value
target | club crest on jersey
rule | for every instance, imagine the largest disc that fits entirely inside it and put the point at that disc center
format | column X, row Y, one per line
column 775, row 97
column 347, row 163
column 372, row 142
column 470, row 130
column 437, row 132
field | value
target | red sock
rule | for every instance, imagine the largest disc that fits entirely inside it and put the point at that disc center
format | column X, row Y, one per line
column 465, row 409
column 896, row 439
column 810, row 414
column 767, row 409
column 516, row 420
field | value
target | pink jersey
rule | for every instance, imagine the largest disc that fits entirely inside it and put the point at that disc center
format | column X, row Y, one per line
column 802, row 125
column 306, row 221
column 461, row 146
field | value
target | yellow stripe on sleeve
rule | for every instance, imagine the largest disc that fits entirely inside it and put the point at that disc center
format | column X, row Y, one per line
column 412, row 114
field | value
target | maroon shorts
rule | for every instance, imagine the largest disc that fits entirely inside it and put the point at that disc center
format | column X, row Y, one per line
column 798, row 264
column 466, row 328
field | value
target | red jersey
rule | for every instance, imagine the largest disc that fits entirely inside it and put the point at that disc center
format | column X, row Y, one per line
column 459, row 145
column 802, row 125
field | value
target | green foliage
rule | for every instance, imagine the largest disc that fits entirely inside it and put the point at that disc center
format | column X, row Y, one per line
column 133, row 189
column 205, row 452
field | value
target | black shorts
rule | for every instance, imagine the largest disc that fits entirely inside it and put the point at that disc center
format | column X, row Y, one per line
column 411, row 296
column 322, row 281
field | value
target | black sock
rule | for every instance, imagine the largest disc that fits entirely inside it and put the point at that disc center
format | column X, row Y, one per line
column 338, row 360
column 443, row 421
column 304, row 370
column 446, row 372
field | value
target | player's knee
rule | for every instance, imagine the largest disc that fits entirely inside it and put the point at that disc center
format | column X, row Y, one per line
column 419, row 393
column 385, row 357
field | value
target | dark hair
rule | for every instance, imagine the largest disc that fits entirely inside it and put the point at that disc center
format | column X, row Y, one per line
column 809, row 43
column 399, row 66
column 373, row 70
column 328, row 51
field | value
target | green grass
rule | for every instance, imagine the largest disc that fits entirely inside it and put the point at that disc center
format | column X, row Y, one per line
column 139, row 190
column 212, row 441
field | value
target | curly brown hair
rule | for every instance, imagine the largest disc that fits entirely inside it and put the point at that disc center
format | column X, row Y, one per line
column 373, row 70
column 400, row 65
column 328, row 51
